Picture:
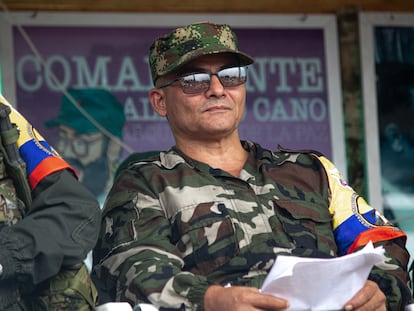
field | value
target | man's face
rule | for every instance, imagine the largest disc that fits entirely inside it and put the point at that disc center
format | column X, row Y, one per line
column 212, row 114
column 86, row 148
column 93, row 157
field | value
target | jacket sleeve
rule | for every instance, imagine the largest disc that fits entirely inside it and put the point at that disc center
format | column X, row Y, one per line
column 134, row 259
column 60, row 228
column 355, row 224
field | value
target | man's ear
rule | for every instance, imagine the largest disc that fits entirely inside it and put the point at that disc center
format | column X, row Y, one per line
column 157, row 99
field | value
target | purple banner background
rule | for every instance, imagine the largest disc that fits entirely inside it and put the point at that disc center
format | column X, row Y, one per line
column 287, row 100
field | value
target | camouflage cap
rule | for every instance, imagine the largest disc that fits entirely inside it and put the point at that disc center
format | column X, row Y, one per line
column 184, row 44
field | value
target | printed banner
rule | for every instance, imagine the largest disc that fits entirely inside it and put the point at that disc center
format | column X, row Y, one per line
column 287, row 95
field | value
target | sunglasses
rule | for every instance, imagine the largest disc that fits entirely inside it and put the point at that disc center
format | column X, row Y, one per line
column 197, row 83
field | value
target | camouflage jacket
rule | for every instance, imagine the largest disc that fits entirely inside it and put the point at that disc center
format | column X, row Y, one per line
column 173, row 226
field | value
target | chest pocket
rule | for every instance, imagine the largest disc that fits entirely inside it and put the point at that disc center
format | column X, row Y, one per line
column 205, row 236
column 309, row 228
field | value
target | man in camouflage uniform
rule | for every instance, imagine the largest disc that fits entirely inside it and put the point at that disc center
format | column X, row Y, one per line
column 214, row 210
column 44, row 238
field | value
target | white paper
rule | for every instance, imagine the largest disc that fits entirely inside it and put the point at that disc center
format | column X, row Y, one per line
column 124, row 306
column 321, row 284
column 114, row 306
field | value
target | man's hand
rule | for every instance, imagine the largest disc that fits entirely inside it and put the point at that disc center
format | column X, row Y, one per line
column 370, row 297
column 240, row 298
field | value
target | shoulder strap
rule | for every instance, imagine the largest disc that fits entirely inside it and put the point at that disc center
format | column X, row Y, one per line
column 15, row 166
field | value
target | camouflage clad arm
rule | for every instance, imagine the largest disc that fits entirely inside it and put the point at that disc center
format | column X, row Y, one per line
column 135, row 258
column 356, row 223
column 60, row 229
column 392, row 276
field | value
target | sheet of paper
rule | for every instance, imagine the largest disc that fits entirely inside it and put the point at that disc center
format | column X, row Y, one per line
column 321, row 284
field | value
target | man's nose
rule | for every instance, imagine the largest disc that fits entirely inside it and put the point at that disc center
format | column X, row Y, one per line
column 215, row 86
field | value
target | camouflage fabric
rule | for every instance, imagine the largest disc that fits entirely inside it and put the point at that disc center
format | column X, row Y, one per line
column 70, row 290
column 11, row 208
column 184, row 44
column 173, row 226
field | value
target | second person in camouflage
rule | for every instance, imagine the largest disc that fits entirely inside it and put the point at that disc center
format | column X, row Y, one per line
column 214, row 210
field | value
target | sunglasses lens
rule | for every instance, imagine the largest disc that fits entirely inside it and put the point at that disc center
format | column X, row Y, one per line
column 200, row 82
column 232, row 76
column 195, row 83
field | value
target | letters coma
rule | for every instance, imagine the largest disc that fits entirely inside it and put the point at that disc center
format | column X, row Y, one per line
column 75, row 72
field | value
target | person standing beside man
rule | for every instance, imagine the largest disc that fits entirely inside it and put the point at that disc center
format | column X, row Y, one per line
column 49, row 222
column 198, row 227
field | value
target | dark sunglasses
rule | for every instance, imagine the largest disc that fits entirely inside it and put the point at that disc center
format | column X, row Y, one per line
column 196, row 83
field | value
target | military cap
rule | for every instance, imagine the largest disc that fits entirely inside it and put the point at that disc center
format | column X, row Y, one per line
column 184, row 44
column 98, row 103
